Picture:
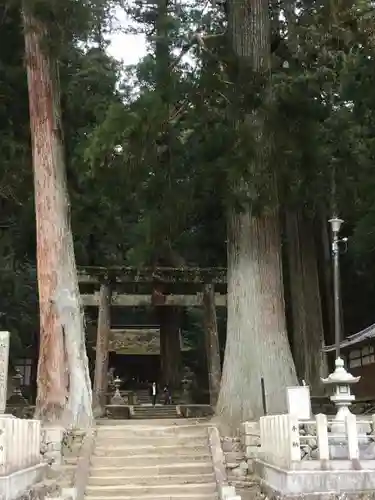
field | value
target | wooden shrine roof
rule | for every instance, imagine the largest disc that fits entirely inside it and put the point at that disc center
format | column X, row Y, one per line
column 355, row 339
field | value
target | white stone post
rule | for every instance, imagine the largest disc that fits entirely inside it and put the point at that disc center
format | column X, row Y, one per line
column 4, row 360
column 322, row 435
column 52, row 438
column 352, row 435
column 3, row 451
column 373, row 424
column 228, row 492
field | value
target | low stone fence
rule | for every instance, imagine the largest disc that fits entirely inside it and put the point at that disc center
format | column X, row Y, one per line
column 19, row 444
column 20, row 458
column 279, row 437
column 317, row 456
column 286, row 440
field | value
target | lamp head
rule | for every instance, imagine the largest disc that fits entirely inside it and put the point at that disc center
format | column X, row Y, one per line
column 335, row 224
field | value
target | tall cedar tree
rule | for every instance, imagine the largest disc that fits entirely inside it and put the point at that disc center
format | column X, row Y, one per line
column 257, row 344
column 64, row 387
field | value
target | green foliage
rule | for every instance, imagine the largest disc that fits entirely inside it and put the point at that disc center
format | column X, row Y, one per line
column 88, row 79
column 154, row 152
column 19, row 307
column 319, row 119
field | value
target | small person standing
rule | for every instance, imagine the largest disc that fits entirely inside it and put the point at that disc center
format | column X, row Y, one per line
column 167, row 396
column 153, row 393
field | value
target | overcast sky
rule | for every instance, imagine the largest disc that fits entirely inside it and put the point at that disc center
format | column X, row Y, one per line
column 126, row 48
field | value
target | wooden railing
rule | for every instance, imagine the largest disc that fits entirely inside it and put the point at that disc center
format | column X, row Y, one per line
column 19, row 444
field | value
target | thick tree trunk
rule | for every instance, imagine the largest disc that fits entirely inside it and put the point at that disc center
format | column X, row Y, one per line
column 257, row 344
column 170, row 348
column 308, row 332
column 102, row 344
column 212, row 343
column 61, row 317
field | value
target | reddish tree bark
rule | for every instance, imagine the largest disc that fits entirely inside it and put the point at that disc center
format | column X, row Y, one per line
column 62, row 335
column 52, row 381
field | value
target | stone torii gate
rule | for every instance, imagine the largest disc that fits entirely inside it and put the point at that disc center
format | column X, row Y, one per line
column 167, row 290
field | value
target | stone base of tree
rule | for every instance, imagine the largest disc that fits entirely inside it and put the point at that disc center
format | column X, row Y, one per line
column 52, row 443
column 41, row 491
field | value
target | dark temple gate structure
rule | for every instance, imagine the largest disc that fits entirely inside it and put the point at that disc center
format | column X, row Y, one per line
column 165, row 291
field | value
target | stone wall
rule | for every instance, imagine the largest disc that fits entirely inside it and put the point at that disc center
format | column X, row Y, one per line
column 42, row 490
column 235, row 461
column 239, row 453
column 250, row 440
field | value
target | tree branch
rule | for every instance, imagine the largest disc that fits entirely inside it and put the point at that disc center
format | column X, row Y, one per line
column 196, row 39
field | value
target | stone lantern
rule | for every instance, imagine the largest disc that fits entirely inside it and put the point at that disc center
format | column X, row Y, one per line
column 341, row 381
column 117, row 399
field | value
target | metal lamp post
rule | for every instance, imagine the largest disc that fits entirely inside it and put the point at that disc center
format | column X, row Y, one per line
column 340, row 379
column 335, row 228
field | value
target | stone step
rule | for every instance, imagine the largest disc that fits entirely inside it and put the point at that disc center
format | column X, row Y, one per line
column 149, row 459
column 179, row 496
column 151, row 410
column 134, row 430
column 107, row 422
column 145, row 480
column 136, row 490
column 155, row 412
column 129, row 451
column 196, row 468
column 142, row 417
column 70, row 460
column 152, row 459
column 247, row 484
column 158, row 406
column 143, row 397
column 179, row 439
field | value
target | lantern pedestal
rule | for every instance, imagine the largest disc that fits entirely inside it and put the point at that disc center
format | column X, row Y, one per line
column 342, row 398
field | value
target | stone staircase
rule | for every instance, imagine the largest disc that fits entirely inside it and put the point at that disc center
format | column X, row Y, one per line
column 154, row 412
column 143, row 396
column 152, row 460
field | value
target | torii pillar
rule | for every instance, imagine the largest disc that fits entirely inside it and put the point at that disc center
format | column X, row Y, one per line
column 102, row 345
column 212, row 343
